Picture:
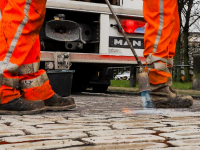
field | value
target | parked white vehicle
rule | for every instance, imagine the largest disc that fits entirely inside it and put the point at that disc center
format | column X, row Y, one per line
column 123, row 76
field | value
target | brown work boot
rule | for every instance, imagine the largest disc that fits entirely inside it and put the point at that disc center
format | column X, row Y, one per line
column 163, row 97
column 169, row 83
column 20, row 106
column 57, row 103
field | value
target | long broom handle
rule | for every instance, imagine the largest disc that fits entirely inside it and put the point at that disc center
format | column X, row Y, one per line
column 127, row 39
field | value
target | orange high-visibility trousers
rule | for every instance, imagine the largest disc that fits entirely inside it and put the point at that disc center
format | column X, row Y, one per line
column 20, row 51
column 161, row 34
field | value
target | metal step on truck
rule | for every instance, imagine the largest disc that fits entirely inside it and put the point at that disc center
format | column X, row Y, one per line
column 82, row 35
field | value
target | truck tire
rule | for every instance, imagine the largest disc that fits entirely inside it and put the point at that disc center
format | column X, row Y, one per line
column 100, row 88
column 79, row 84
column 81, row 79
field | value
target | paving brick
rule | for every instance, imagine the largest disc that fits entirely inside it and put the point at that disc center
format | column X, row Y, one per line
column 187, row 113
column 21, row 127
column 9, row 117
column 96, row 124
column 188, row 123
column 18, row 125
column 5, row 133
column 175, row 113
column 3, row 126
column 133, row 120
column 89, row 121
column 47, row 119
column 66, row 129
column 132, row 146
column 123, row 139
column 34, row 116
column 180, row 119
column 72, row 127
column 52, row 136
column 51, row 144
column 181, row 135
column 85, row 123
column 136, row 125
column 39, row 121
column 179, row 148
column 21, row 123
column 120, row 132
column 17, row 118
column 11, row 120
column 188, row 142
column 96, row 117
column 178, row 128
column 121, row 119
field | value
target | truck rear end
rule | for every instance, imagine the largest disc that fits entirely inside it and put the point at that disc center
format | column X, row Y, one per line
column 83, row 36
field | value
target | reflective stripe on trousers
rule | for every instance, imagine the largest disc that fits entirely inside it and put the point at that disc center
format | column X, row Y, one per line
column 20, row 50
column 161, row 34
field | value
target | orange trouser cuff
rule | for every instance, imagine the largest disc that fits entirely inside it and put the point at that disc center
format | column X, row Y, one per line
column 158, row 77
column 8, row 93
column 38, row 93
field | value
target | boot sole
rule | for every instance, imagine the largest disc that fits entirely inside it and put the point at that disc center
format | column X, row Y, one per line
column 31, row 112
column 60, row 108
column 172, row 104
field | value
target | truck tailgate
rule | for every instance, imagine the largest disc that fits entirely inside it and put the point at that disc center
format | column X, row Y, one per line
column 93, row 7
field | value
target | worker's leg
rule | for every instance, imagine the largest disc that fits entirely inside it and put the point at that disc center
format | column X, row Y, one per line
column 24, row 19
column 172, row 44
column 20, row 55
column 34, row 82
column 13, row 50
column 160, row 24
column 8, row 81
column 160, row 40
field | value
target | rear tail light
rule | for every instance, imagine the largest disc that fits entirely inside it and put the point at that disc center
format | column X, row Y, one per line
column 130, row 26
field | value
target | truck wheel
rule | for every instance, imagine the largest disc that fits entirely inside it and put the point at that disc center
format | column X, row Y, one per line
column 80, row 87
column 80, row 80
column 100, row 88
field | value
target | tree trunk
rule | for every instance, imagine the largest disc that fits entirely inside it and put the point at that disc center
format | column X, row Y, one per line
column 185, row 40
column 177, row 57
column 196, row 74
column 177, row 60
column 186, row 57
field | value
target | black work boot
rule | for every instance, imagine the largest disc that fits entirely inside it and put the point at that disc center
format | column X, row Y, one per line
column 20, row 106
column 58, row 103
column 162, row 96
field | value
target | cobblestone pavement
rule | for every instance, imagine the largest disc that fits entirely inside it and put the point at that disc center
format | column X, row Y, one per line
column 99, row 123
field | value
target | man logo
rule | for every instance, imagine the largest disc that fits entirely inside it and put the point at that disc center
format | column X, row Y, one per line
column 120, row 42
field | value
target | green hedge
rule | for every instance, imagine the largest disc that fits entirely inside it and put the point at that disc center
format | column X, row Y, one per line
column 176, row 85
